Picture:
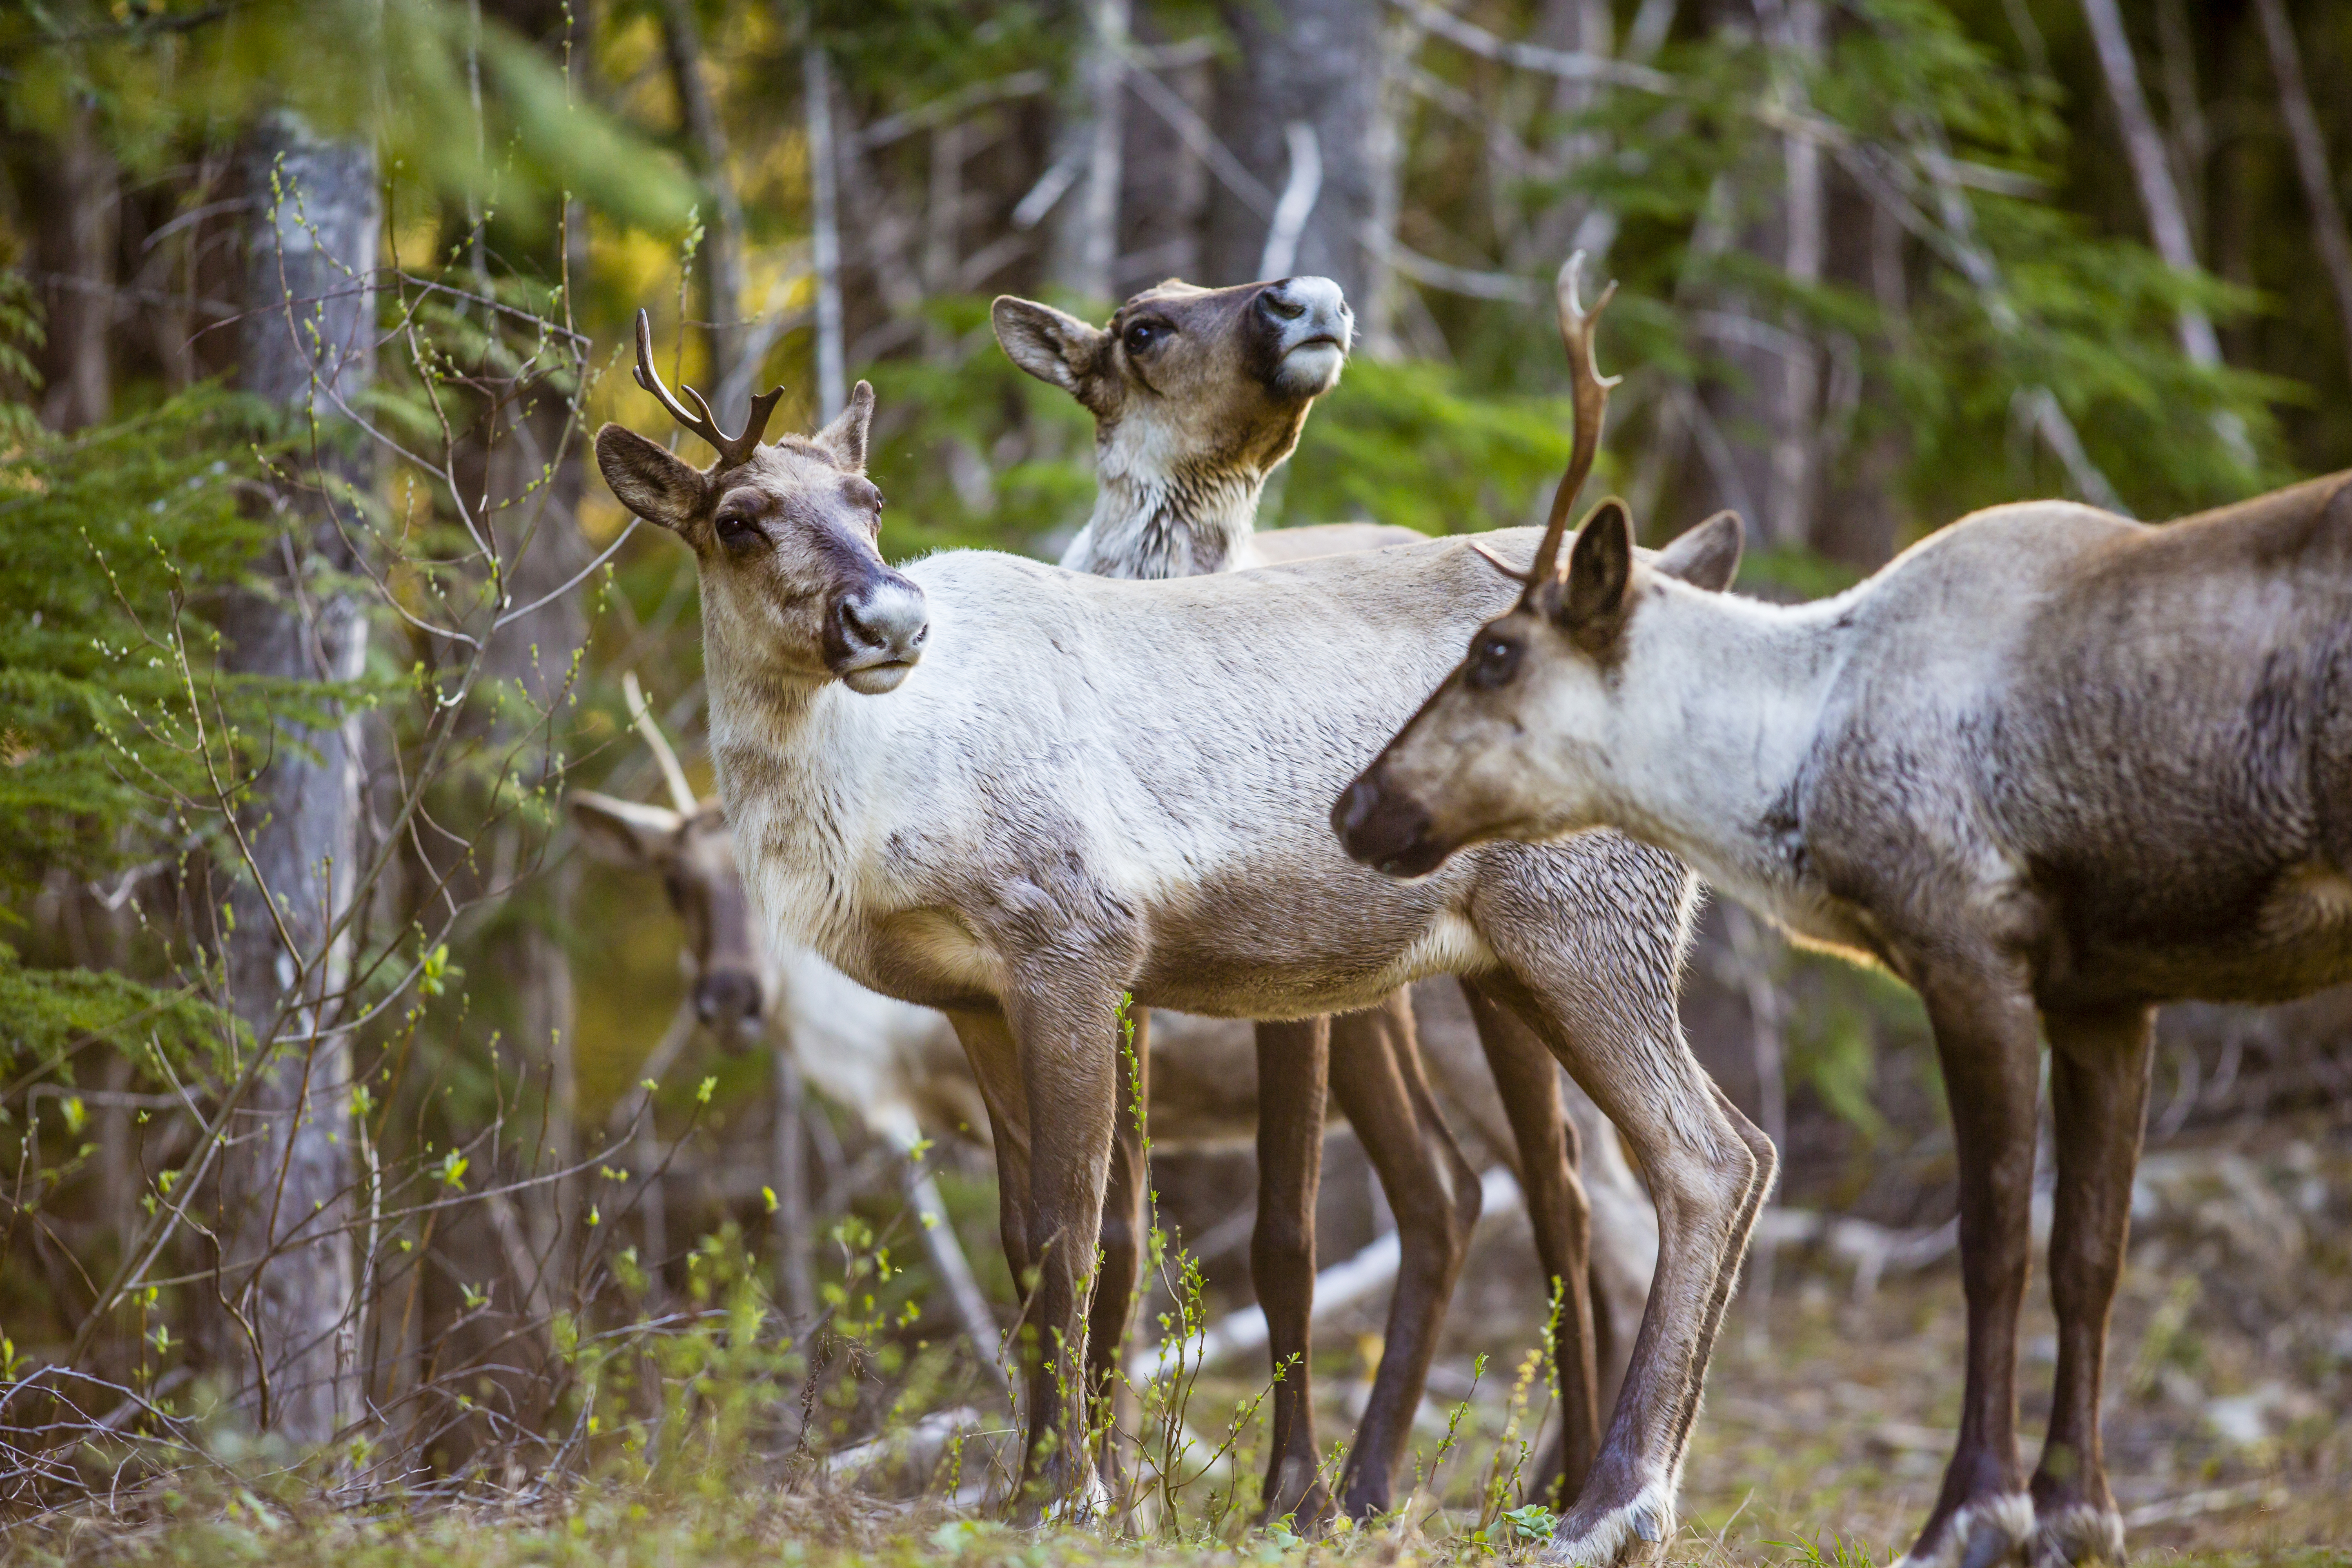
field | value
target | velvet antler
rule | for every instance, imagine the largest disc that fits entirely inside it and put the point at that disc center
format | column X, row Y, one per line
column 733, row 449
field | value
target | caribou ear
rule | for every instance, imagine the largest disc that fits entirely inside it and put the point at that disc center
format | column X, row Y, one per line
column 650, row 481
column 845, row 438
column 1601, row 564
column 623, row 831
column 1706, row 556
column 1052, row 345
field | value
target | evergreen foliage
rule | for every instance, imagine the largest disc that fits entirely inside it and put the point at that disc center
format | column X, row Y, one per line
column 118, row 720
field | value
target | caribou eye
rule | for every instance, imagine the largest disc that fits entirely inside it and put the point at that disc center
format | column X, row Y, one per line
column 1143, row 335
column 737, row 531
column 1494, row 661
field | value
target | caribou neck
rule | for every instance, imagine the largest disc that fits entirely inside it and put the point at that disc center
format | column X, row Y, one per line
column 1712, row 769
column 1151, row 522
column 791, row 753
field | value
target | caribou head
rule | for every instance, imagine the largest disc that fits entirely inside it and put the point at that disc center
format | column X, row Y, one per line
column 1197, row 394
column 687, row 844
column 785, row 536
column 1483, row 758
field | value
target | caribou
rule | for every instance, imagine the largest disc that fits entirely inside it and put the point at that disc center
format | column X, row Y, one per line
column 1197, row 396
column 1013, row 792
column 898, row 1070
column 2050, row 765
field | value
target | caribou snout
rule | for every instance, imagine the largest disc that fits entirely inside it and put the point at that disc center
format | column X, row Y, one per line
column 1387, row 829
column 1312, row 329
column 875, row 635
column 728, row 1002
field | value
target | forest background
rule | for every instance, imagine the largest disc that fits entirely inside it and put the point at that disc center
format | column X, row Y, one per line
column 308, row 308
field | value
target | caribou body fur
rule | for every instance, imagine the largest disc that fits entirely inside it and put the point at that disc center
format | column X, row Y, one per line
column 1089, row 786
column 2050, row 765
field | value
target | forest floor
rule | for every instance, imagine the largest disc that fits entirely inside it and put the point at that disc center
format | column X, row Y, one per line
column 1828, row 1419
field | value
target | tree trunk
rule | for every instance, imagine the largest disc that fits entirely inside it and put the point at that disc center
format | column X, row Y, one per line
column 1326, row 63
column 722, row 224
column 2310, row 157
column 77, row 195
column 288, row 1322
column 2159, row 197
column 1584, row 27
column 1764, row 417
column 1789, row 502
column 824, row 236
column 1086, row 230
column 536, row 526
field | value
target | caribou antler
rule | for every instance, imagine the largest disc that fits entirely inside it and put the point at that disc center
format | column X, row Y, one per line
column 733, row 449
column 1588, row 390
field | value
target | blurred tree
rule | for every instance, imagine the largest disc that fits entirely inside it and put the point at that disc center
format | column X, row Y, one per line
column 307, row 346
column 74, row 198
column 1307, row 100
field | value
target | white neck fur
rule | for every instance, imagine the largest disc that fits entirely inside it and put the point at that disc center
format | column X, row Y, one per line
column 1719, row 704
column 1154, row 519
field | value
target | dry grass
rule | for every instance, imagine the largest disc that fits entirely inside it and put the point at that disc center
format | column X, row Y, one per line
column 2230, row 1426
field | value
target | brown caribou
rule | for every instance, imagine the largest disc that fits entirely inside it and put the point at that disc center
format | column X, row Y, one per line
column 2051, row 766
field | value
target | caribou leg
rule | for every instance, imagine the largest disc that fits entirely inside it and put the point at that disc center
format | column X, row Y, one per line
column 1767, row 1162
column 1561, row 1216
column 1121, row 1267
column 1293, row 1069
column 2098, row 1102
column 1377, row 1078
column 1070, row 1079
column 996, row 1061
column 1705, row 1176
column 1987, row 1043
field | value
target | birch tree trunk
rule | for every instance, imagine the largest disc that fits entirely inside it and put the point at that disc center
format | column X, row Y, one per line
column 2159, row 196
column 1584, row 27
column 1791, row 500
column 824, row 235
column 1762, row 424
column 285, row 1320
column 1086, row 227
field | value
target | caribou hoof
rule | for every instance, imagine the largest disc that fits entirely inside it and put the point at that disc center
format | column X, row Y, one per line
column 2076, row 1533
column 1985, row 1533
column 1089, row 1505
column 1617, row 1537
column 1297, row 1494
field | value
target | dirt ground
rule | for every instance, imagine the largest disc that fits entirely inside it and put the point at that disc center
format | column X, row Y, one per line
column 2229, row 1409
column 1829, row 1411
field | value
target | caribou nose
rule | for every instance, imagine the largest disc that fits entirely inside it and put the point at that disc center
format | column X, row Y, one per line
column 727, row 998
column 1307, row 309
column 879, row 635
column 1384, row 829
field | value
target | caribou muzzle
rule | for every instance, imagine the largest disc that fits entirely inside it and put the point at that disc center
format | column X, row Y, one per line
column 1308, row 330
column 728, row 1002
column 876, row 634
column 1385, row 829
